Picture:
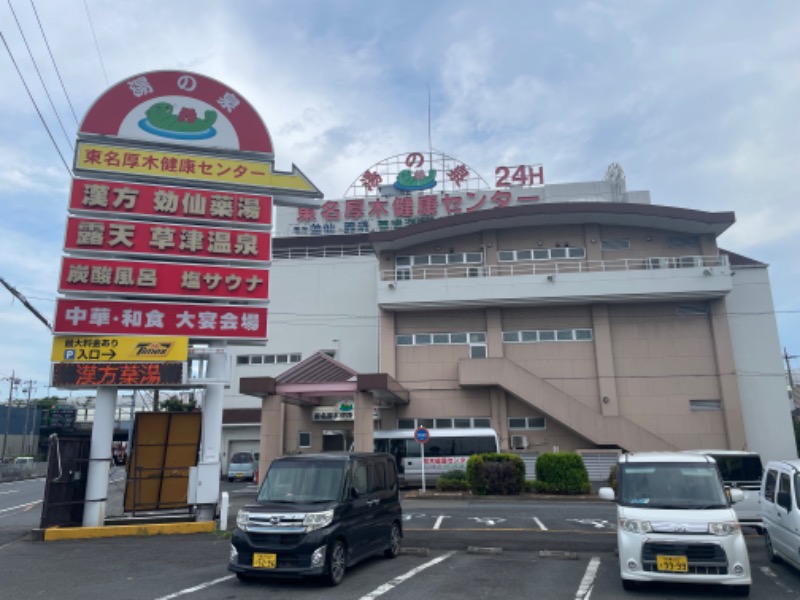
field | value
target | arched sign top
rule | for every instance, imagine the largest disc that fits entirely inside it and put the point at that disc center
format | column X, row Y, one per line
column 178, row 107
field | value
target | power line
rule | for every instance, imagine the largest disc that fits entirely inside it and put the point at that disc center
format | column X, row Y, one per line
column 41, row 79
column 39, row 112
column 96, row 44
column 55, row 66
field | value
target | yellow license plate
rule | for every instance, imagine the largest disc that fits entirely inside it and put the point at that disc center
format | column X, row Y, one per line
column 674, row 564
column 239, row 475
column 265, row 561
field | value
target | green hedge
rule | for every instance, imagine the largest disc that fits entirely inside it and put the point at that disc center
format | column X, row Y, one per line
column 561, row 473
column 496, row 473
column 452, row 481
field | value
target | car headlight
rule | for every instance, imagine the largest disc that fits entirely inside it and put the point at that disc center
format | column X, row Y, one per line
column 635, row 526
column 318, row 520
column 242, row 519
column 723, row 528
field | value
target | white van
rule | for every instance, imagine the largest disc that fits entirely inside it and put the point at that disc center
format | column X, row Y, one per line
column 742, row 470
column 780, row 510
column 675, row 522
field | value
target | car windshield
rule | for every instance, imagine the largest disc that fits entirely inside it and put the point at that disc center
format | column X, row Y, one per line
column 297, row 482
column 671, row 485
column 242, row 457
column 739, row 469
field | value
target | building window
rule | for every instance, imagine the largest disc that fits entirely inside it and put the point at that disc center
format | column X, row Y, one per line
column 541, row 254
column 268, row 359
column 527, row 423
column 547, row 335
column 616, row 244
column 682, row 241
column 456, row 258
column 445, row 423
column 691, row 309
column 705, row 405
column 440, row 339
column 304, row 439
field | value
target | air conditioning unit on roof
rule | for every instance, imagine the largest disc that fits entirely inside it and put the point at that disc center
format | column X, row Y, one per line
column 519, row 442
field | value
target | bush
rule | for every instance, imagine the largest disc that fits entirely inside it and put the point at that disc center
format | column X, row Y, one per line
column 496, row 473
column 452, row 481
column 561, row 473
column 612, row 478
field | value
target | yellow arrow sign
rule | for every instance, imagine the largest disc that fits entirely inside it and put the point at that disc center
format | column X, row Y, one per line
column 161, row 164
column 100, row 348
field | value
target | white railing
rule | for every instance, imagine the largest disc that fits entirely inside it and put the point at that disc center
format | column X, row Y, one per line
column 551, row 267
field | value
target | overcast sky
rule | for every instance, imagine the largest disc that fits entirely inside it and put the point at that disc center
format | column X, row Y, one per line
column 698, row 101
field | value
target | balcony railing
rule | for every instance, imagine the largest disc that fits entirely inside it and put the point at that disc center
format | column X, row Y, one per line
column 420, row 272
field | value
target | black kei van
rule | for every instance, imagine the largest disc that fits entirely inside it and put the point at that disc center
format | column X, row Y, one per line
column 317, row 514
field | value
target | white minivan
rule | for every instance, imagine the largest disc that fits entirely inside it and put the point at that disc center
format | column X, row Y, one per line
column 780, row 510
column 676, row 523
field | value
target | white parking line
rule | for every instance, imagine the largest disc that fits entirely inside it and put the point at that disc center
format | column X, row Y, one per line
column 196, row 588
column 381, row 590
column 438, row 522
column 27, row 506
column 585, row 588
column 774, row 576
column 539, row 523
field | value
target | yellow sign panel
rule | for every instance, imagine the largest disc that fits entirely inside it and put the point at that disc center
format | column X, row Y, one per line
column 101, row 348
column 141, row 162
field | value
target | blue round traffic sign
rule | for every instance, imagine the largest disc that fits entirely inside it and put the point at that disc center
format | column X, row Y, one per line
column 422, row 435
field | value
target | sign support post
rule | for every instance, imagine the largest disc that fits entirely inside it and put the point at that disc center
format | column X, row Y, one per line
column 208, row 475
column 422, row 435
column 94, row 510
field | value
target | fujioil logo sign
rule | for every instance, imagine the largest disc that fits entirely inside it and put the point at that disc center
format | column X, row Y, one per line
column 101, row 349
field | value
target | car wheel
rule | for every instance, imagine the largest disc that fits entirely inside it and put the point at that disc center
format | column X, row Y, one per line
column 770, row 549
column 628, row 585
column 394, row 542
column 230, row 479
column 336, row 563
column 741, row 590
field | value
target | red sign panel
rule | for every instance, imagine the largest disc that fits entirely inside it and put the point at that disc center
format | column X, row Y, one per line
column 166, row 239
column 196, row 321
column 117, row 374
column 178, row 108
column 88, row 275
column 170, row 202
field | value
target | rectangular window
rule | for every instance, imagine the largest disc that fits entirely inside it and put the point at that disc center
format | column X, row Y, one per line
column 295, row 358
column 304, row 439
column 444, row 423
column 705, row 405
column 269, row 359
column 477, row 351
column 458, row 338
column 455, row 259
column 547, row 336
column 474, row 257
column 517, row 423
column 402, row 274
column 421, row 260
column 441, row 338
column 427, row 423
column 583, row 335
column 524, row 254
column 282, row 358
column 681, row 241
column 511, row 336
column 462, row 423
column 505, row 255
column 530, row 336
column 242, row 360
column 422, row 339
column 537, row 423
column 769, row 485
column 558, row 253
column 691, row 309
column 404, row 340
column 482, row 422
column 541, row 254
column 257, row 359
column 616, row 244
column 438, row 259
column 406, row 423
column 577, row 252
column 402, row 261
column 477, row 337
column 564, row 335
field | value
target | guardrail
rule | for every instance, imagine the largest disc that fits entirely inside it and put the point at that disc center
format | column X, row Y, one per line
column 552, row 267
column 12, row 472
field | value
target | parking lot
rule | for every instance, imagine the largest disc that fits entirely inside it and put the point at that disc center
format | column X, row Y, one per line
column 454, row 548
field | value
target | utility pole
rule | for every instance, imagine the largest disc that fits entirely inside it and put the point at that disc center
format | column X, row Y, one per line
column 787, row 358
column 12, row 382
column 25, row 440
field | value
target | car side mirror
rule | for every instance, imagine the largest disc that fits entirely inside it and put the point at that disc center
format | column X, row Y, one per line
column 735, row 495
column 606, row 493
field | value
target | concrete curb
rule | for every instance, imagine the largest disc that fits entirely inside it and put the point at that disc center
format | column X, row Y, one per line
column 83, row 533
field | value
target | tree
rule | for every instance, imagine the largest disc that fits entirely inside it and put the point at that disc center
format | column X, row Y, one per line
column 175, row 404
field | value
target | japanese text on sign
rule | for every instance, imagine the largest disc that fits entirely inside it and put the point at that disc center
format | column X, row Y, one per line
column 170, row 201
column 108, row 317
column 117, row 374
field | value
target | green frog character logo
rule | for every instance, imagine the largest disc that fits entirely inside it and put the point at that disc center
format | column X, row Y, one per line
column 162, row 121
